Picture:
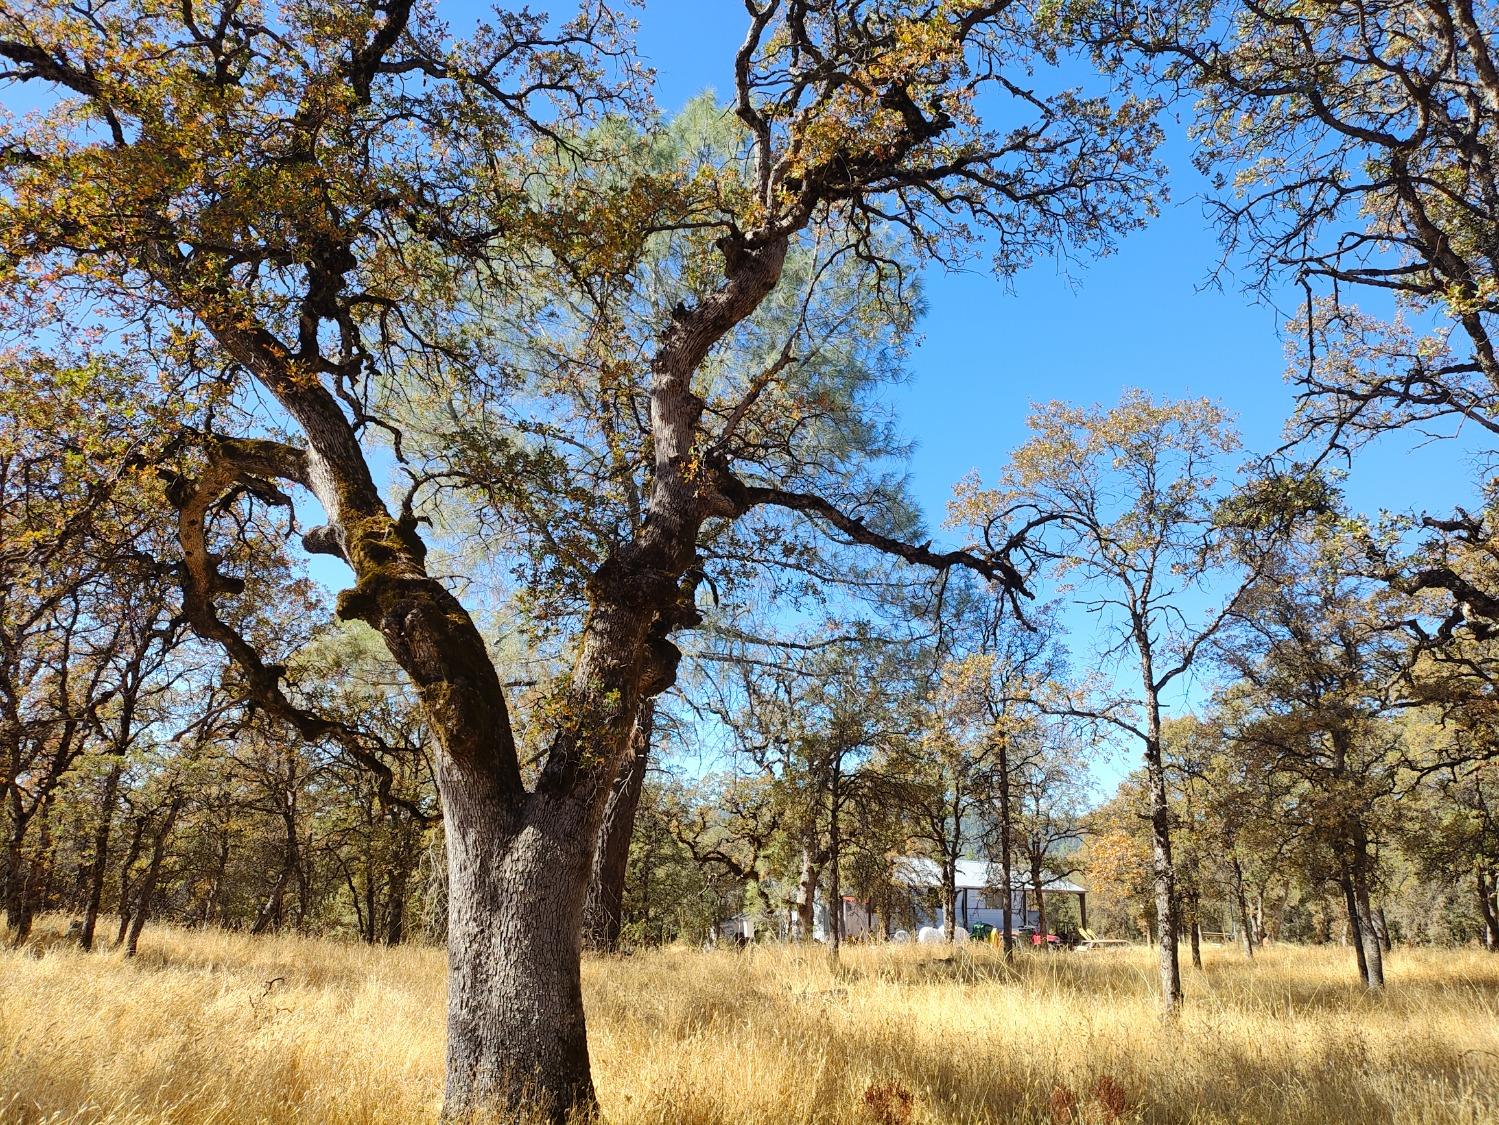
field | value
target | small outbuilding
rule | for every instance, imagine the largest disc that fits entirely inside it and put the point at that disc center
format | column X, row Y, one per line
column 979, row 898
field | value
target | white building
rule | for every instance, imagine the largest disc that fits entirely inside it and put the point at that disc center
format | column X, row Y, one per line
column 978, row 896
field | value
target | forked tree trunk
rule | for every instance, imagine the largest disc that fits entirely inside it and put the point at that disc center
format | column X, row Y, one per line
column 517, row 1041
column 604, row 910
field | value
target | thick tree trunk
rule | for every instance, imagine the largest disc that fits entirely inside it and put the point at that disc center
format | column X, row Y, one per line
column 517, row 1041
column 603, row 913
column 17, row 918
column 99, row 866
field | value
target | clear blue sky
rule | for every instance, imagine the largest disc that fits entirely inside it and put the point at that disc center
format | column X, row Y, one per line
column 1141, row 317
column 1144, row 317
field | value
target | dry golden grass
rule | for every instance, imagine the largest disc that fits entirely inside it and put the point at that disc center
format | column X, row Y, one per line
column 211, row 1027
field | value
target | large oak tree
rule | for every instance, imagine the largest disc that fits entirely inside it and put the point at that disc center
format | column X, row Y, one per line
column 301, row 213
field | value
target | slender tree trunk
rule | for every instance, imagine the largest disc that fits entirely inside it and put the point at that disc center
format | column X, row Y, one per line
column 1382, row 928
column 270, row 910
column 1241, row 902
column 1196, row 932
column 1040, row 903
column 1350, row 902
column 1368, row 931
column 132, row 853
column 17, row 872
column 1006, row 860
column 517, row 1040
column 36, row 876
column 293, row 863
column 603, row 913
column 362, row 922
column 395, row 908
column 1163, row 871
column 147, row 890
column 99, row 866
column 949, row 899
column 214, row 908
column 835, row 891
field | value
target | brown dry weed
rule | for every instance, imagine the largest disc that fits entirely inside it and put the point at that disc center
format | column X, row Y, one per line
column 208, row 1027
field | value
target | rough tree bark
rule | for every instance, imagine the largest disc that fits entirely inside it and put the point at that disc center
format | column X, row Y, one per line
column 16, row 871
column 516, row 886
column 1382, row 927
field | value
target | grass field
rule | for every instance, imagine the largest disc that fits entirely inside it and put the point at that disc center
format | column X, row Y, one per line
column 213, row 1027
